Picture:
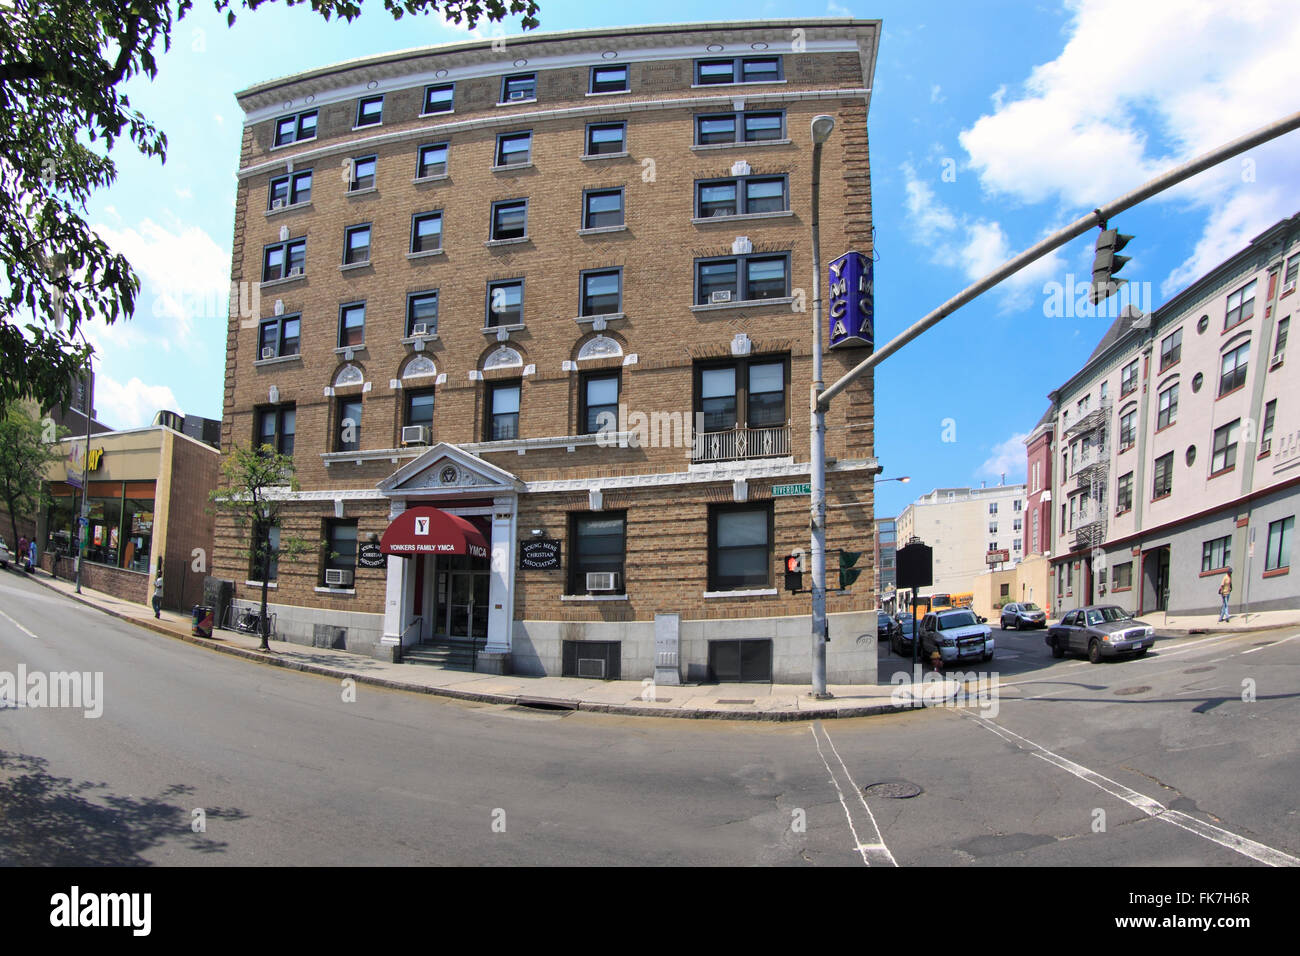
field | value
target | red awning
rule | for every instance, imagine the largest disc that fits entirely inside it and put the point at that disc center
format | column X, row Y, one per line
column 427, row 530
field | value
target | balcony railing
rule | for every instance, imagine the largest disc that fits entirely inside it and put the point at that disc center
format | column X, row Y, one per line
column 736, row 444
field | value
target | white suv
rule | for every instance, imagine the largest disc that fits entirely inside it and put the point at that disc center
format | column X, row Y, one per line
column 957, row 636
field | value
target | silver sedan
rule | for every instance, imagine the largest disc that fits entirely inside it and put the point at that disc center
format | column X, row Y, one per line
column 1100, row 630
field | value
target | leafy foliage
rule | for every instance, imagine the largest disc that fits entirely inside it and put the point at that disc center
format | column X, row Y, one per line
column 27, row 449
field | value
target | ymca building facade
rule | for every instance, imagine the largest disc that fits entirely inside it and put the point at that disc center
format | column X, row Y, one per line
column 534, row 324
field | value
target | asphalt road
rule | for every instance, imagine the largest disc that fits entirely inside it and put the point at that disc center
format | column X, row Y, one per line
column 1152, row 761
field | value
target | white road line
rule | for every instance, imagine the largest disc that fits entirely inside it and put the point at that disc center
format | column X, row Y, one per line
column 19, row 626
column 879, row 846
column 857, row 842
column 1271, row 644
column 1152, row 808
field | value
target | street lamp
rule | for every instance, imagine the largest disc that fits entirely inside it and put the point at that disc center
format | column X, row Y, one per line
column 822, row 125
column 905, row 479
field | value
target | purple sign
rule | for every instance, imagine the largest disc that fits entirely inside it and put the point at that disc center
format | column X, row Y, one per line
column 852, row 302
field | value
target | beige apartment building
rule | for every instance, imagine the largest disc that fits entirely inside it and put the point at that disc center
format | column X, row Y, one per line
column 533, row 320
column 1179, row 446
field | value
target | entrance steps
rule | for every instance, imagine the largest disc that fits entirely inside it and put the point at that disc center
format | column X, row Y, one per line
column 456, row 653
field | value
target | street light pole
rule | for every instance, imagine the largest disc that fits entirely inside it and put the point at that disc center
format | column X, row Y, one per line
column 822, row 126
column 83, row 524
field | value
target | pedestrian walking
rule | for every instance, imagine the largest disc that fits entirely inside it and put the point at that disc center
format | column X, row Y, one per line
column 22, row 552
column 1225, row 591
column 157, row 595
column 31, row 549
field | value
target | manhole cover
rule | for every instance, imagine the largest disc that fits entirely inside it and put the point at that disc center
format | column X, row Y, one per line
column 1197, row 670
column 1139, row 689
column 893, row 789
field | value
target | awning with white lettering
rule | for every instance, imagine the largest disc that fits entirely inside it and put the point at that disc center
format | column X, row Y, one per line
column 425, row 530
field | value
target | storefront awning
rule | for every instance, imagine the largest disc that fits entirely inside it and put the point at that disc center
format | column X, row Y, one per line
column 427, row 530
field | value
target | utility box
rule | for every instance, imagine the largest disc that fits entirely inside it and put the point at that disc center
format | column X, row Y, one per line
column 668, row 629
column 217, row 594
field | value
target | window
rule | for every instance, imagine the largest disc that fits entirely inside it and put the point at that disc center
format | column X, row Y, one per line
column 431, row 161
column 598, row 396
column 1232, row 371
column 509, row 220
column 1035, row 532
column 264, row 566
column 609, row 79
column 348, row 436
column 284, row 259
column 294, row 129
column 740, row 547
column 1217, row 554
column 439, row 99
column 993, row 507
column 1292, row 271
column 422, row 309
column 363, row 174
column 1163, row 476
column 1241, row 305
column 503, row 411
column 1121, row 576
column 1102, row 392
column 340, row 546
column 741, row 278
column 426, row 232
column 743, row 394
column 356, row 245
column 739, row 197
column 519, row 88
column 352, row 325
column 1266, row 433
column 278, row 337
column 1017, row 525
column 742, row 69
column 602, row 292
column 515, row 149
column 602, row 208
column 605, row 138
column 370, row 111
column 1168, row 410
column 1225, row 448
column 1278, row 556
column 993, row 527
column 505, row 303
column 1127, row 423
column 1128, row 378
column 739, row 127
column 1124, row 494
column 275, row 427
column 1279, row 344
column 1171, row 349
column 597, row 546
column 290, row 190
column 1017, row 505
column 418, row 408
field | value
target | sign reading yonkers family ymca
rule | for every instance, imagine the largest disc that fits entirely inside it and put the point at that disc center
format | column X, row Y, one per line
column 852, row 301
column 431, row 531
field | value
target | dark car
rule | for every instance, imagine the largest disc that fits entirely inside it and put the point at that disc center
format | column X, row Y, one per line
column 1021, row 616
column 901, row 641
column 885, row 627
column 1100, row 630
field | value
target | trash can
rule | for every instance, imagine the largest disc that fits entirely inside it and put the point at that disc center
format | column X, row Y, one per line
column 202, row 621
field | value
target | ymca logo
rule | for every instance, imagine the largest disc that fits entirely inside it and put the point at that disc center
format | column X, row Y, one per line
column 422, row 526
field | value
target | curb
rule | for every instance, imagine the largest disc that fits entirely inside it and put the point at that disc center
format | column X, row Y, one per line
column 625, row 710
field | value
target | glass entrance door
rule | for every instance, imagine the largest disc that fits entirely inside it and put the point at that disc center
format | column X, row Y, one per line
column 462, row 610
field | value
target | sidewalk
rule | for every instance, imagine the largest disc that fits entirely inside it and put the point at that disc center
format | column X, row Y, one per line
column 629, row 697
column 1182, row 624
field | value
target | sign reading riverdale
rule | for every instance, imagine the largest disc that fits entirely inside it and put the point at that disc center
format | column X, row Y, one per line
column 852, row 306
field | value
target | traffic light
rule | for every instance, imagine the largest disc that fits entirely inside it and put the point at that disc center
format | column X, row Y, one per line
column 794, row 572
column 848, row 573
column 1107, row 263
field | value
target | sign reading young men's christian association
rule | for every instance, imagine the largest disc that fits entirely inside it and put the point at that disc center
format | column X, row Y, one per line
column 852, row 302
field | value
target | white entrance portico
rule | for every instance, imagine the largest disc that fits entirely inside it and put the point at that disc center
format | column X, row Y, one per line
column 458, row 483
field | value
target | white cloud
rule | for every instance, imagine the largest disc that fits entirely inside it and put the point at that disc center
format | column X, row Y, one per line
column 131, row 405
column 936, row 94
column 1008, row 459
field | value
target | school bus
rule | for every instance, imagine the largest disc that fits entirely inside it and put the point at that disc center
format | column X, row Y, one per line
column 965, row 600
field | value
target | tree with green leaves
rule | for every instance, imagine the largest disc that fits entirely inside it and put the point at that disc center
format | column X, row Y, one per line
column 27, row 450
column 62, row 109
column 252, row 491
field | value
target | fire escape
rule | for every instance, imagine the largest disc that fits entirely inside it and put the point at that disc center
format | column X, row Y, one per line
column 1091, row 473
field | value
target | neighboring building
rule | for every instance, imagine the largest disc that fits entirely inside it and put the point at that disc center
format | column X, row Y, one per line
column 963, row 526
column 886, row 562
column 558, row 293
column 1038, row 482
column 148, row 509
column 206, row 430
column 1180, row 446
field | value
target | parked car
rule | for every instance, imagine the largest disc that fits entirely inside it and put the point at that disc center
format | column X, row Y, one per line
column 5, row 556
column 885, row 627
column 1100, row 630
column 901, row 641
column 1023, row 615
column 957, row 636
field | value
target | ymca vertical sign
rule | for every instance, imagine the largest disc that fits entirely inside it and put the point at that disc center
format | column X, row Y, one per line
column 852, row 301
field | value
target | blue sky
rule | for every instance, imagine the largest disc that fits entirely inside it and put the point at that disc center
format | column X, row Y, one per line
column 991, row 125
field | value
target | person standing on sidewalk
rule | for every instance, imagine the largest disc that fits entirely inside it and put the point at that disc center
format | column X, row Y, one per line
column 1225, row 591
column 157, row 595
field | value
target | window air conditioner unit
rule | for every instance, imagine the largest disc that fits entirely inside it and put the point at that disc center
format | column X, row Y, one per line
column 268, row 352
column 518, row 94
column 1266, row 446
column 277, row 204
column 602, row 580
column 723, row 296
column 1277, row 358
column 338, row 577
column 415, row 434
column 1289, row 287
column 295, row 271
column 420, row 328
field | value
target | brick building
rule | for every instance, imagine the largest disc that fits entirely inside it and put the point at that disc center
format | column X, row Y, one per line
column 558, row 291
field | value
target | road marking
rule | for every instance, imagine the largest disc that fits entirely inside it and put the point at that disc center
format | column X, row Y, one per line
column 19, row 626
column 1153, row 808
column 876, row 849
column 1271, row 644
